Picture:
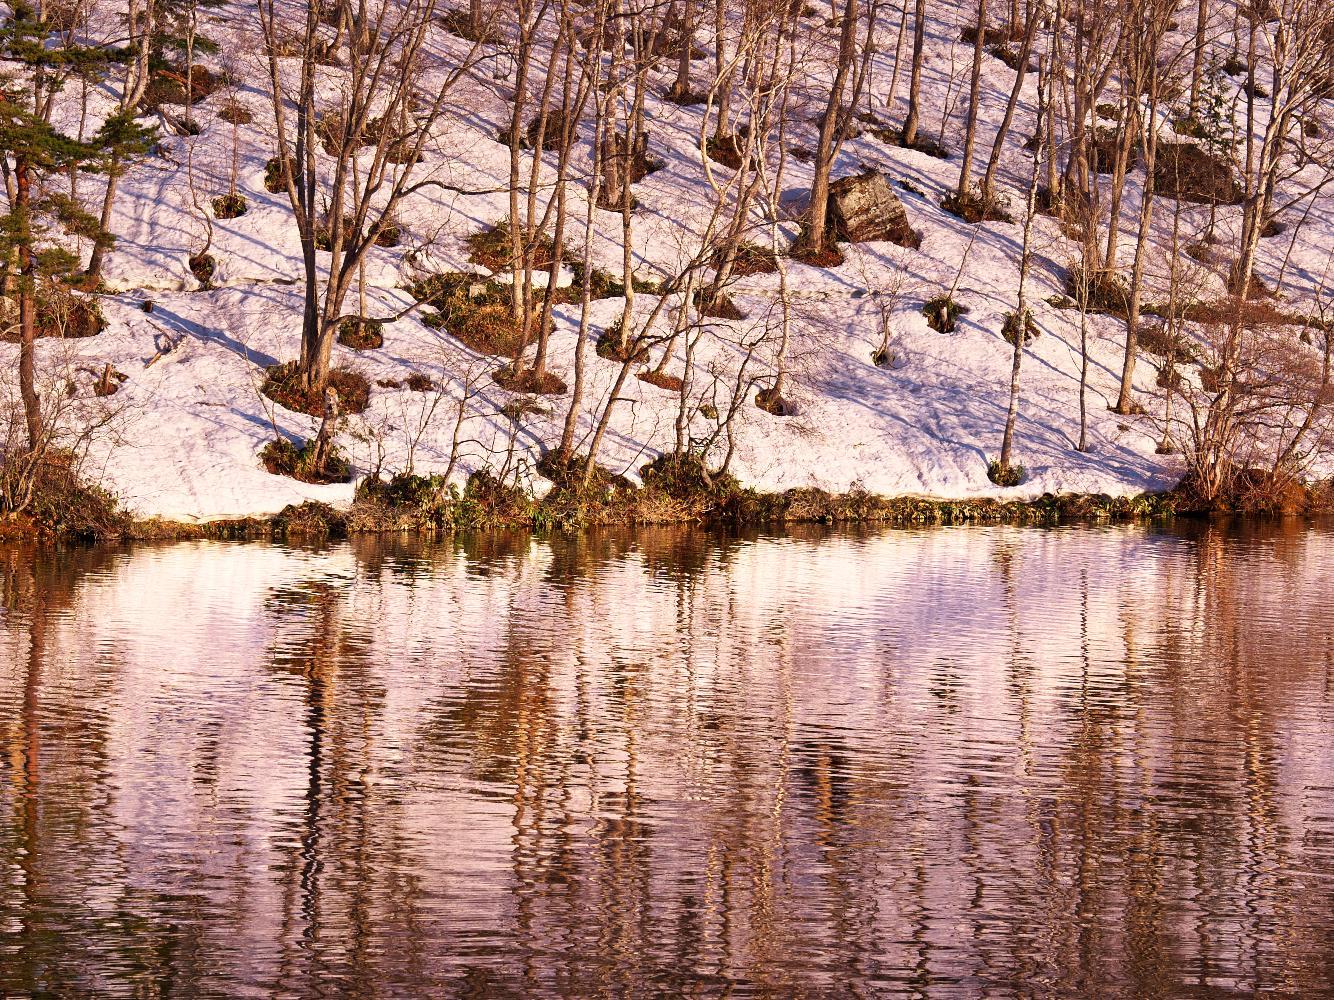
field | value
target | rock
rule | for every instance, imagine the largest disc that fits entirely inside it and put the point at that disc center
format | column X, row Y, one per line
column 864, row 208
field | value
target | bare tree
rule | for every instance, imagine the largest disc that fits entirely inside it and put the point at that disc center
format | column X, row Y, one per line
column 382, row 115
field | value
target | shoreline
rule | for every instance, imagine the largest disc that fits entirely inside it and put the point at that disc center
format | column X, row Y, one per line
column 670, row 494
column 561, row 511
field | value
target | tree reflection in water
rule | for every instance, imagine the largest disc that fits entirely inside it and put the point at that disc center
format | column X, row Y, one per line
column 625, row 763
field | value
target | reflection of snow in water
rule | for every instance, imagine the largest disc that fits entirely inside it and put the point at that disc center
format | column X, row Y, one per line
column 964, row 758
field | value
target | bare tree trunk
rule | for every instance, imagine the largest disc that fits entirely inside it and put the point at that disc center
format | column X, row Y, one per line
column 827, row 147
column 911, row 123
column 324, row 439
column 1021, row 310
column 1021, row 74
column 1125, row 403
column 974, row 92
column 32, row 402
column 1197, row 58
column 681, row 86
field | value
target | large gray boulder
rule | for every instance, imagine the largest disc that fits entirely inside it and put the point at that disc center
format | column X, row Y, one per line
column 864, row 208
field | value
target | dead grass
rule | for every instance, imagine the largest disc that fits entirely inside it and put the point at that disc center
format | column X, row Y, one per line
column 671, row 383
column 360, row 334
column 728, row 150
column 472, row 309
column 282, row 384
column 972, row 207
column 750, row 259
column 529, row 381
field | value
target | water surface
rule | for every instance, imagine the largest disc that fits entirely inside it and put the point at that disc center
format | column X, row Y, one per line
column 957, row 762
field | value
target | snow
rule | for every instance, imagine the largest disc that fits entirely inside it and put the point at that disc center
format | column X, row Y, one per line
column 188, row 428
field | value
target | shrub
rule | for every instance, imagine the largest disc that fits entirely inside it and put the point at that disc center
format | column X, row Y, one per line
column 283, row 458
column 609, row 345
column 63, row 314
column 771, row 402
column 491, row 248
column 422, row 499
column 1010, row 328
column 203, row 266
column 324, row 233
column 942, row 313
column 750, row 258
column 1005, row 476
column 282, row 384
column 729, row 150
column 1100, row 292
column 473, row 309
column 686, row 477
column 1010, row 57
column 486, row 498
column 274, row 177
column 167, row 86
column 921, row 144
column 603, row 285
column 1190, row 172
column 360, row 334
column 718, row 305
column 235, row 114
column 685, row 98
column 971, row 207
column 229, row 206
column 530, row 381
column 417, row 382
column 671, row 383
column 51, row 492
column 1155, row 339
column 459, row 22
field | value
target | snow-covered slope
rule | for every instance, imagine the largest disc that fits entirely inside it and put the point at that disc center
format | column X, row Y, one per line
column 189, row 427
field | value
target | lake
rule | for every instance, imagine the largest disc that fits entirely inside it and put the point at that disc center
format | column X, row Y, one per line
column 949, row 762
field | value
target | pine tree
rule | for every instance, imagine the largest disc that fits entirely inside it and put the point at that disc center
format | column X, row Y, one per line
column 33, row 151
